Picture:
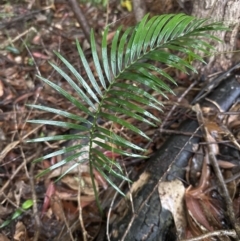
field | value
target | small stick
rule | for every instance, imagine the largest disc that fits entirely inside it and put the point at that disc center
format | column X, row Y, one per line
column 219, row 233
column 80, row 18
column 175, row 105
column 35, row 208
column 80, row 217
column 217, row 171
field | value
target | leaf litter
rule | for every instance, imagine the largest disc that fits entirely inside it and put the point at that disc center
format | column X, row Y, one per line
column 56, row 202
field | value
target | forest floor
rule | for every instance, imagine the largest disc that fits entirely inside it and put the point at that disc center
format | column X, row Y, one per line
column 29, row 33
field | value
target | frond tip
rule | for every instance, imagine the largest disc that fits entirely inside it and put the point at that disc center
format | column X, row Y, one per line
column 117, row 92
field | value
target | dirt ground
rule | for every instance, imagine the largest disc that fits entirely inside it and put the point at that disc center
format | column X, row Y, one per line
column 29, row 33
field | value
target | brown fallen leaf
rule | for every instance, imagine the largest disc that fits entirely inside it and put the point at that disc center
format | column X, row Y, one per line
column 172, row 198
column 84, row 182
column 20, row 232
column 3, row 237
column 56, row 206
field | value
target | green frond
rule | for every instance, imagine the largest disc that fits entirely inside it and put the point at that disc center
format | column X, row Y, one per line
column 61, row 113
column 105, row 56
column 96, row 60
column 114, row 52
column 113, row 138
column 60, row 138
column 69, row 97
column 121, row 49
column 63, row 151
column 123, row 68
column 90, row 76
column 63, row 124
column 64, row 162
column 80, row 79
column 73, row 166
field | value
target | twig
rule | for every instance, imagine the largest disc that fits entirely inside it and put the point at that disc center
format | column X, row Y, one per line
column 6, row 198
column 19, row 138
column 84, row 232
column 30, row 53
column 17, row 170
column 35, row 209
column 231, row 179
column 13, row 144
column 130, row 192
column 80, row 18
column 11, row 41
column 24, row 17
column 175, row 105
column 66, row 222
column 218, row 173
column 175, row 132
column 111, row 208
column 219, row 233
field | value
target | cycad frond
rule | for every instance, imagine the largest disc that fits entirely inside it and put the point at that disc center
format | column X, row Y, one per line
column 106, row 97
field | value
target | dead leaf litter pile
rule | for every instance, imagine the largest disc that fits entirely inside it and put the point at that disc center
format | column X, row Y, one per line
column 39, row 208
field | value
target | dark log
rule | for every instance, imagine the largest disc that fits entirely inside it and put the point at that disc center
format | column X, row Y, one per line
column 150, row 222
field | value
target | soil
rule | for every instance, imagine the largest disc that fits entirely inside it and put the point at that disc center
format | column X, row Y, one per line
column 36, row 207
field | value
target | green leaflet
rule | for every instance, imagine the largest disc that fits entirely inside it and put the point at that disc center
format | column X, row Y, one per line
column 25, row 206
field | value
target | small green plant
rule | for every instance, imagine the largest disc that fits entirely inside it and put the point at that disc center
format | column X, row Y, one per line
column 25, row 206
column 123, row 69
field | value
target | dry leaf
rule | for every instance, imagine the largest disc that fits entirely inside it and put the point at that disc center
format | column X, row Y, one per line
column 172, row 198
column 56, row 206
column 84, row 182
column 20, row 232
column 3, row 237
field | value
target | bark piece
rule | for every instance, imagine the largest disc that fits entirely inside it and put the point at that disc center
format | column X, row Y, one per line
column 140, row 9
column 228, row 12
